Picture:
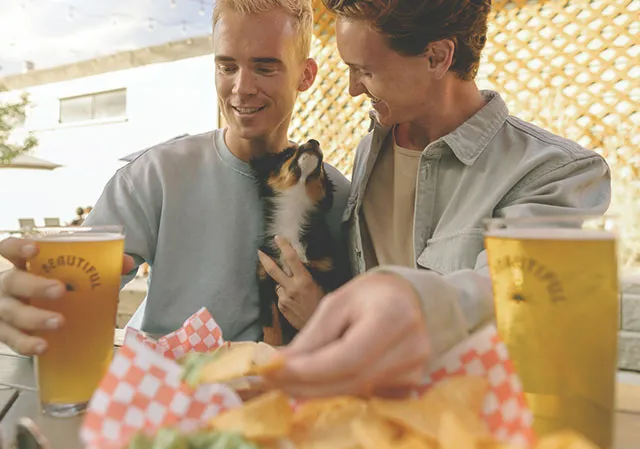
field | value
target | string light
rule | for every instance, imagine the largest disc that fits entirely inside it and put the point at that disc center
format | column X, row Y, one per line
column 201, row 10
column 71, row 13
column 173, row 3
column 152, row 24
column 184, row 28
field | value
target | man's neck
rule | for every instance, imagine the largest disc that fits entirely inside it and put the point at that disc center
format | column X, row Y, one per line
column 458, row 101
column 247, row 149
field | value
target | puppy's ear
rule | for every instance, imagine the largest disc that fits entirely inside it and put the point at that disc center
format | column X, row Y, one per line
column 268, row 163
column 265, row 164
column 288, row 152
column 326, row 203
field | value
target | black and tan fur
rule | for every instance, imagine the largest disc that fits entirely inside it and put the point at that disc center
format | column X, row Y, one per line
column 297, row 195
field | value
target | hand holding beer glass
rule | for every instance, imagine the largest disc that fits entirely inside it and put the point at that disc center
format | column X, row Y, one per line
column 555, row 284
column 88, row 260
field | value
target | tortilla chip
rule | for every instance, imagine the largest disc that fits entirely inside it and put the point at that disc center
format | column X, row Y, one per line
column 566, row 439
column 373, row 432
column 464, row 391
column 410, row 414
column 326, row 423
column 266, row 417
column 454, row 435
column 239, row 360
column 461, row 397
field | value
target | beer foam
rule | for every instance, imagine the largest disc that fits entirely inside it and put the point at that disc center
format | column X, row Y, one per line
column 552, row 234
column 78, row 237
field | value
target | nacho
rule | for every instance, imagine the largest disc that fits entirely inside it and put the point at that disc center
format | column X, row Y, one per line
column 447, row 416
column 566, row 439
column 327, row 423
column 267, row 417
column 231, row 363
column 460, row 396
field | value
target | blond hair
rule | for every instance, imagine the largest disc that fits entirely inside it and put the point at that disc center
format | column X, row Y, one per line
column 300, row 10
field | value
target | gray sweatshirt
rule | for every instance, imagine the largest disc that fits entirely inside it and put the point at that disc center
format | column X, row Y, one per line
column 190, row 209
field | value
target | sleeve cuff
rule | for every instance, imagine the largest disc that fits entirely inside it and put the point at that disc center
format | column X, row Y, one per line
column 446, row 324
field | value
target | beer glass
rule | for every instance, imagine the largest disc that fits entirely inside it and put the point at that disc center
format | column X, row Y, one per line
column 88, row 260
column 555, row 285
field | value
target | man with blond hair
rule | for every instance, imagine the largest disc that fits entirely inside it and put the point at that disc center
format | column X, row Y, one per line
column 207, row 259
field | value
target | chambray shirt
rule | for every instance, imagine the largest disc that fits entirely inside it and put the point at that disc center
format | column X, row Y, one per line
column 493, row 165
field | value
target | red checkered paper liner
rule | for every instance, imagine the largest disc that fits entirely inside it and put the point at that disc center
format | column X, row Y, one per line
column 505, row 409
column 143, row 389
column 199, row 333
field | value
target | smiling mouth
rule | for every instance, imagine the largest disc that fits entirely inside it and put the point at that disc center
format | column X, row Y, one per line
column 246, row 110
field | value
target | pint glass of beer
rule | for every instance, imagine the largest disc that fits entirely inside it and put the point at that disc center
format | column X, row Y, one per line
column 555, row 284
column 89, row 262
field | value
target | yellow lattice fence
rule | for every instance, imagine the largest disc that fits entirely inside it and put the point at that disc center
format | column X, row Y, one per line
column 571, row 67
column 326, row 112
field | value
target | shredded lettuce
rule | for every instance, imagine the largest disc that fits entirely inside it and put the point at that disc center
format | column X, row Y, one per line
column 140, row 441
column 192, row 364
column 220, row 440
column 167, row 438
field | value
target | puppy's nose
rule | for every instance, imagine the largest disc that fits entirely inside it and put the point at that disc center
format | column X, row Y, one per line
column 313, row 145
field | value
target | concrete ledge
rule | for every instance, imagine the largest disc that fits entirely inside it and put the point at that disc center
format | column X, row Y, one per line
column 629, row 351
column 630, row 312
column 628, row 391
column 630, row 283
column 629, row 340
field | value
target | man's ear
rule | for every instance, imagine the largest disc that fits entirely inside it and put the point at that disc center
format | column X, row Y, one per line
column 309, row 72
column 440, row 56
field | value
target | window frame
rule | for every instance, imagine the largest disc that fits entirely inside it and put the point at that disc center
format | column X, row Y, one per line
column 93, row 116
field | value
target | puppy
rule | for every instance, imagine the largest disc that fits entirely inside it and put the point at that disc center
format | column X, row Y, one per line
column 297, row 195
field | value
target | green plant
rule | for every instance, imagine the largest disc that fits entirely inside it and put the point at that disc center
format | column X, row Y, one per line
column 12, row 114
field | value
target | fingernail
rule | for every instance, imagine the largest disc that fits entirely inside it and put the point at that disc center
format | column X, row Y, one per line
column 55, row 291
column 40, row 348
column 53, row 323
column 29, row 250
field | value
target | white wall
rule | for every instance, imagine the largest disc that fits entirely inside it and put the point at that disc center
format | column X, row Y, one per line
column 163, row 101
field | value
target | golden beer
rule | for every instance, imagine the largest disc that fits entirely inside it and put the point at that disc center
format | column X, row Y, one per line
column 89, row 262
column 556, row 298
